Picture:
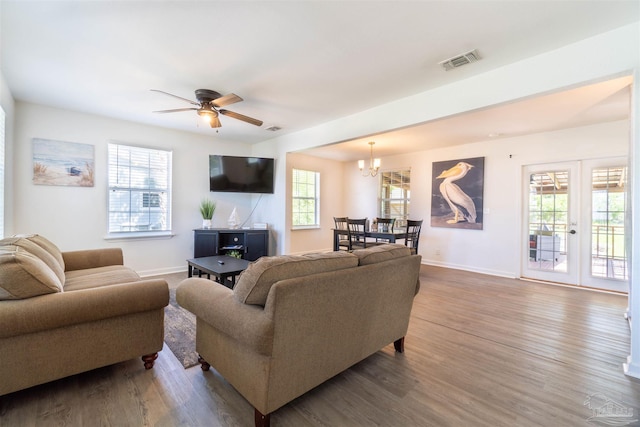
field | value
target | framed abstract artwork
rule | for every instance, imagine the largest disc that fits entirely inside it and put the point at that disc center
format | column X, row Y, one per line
column 456, row 193
column 62, row 163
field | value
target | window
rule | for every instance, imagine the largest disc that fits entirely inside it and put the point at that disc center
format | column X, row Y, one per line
column 305, row 198
column 608, row 196
column 395, row 193
column 139, row 190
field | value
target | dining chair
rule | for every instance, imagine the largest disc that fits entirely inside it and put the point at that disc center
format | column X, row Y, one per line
column 343, row 238
column 413, row 235
column 384, row 225
column 357, row 228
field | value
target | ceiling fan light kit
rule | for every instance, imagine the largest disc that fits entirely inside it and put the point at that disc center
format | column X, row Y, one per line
column 209, row 103
column 210, row 116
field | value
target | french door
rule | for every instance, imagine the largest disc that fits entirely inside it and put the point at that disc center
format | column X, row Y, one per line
column 574, row 228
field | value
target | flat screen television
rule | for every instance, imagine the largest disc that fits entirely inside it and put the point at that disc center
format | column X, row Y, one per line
column 240, row 174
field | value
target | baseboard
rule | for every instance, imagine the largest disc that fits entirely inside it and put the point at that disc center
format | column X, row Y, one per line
column 179, row 269
column 631, row 369
column 506, row 274
column 315, row 251
column 160, row 271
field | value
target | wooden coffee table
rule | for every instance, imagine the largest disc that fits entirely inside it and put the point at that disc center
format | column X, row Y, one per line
column 224, row 268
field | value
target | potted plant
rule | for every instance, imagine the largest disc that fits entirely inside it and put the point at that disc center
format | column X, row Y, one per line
column 207, row 208
column 235, row 253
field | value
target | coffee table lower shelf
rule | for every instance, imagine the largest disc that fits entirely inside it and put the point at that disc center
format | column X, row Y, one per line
column 224, row 268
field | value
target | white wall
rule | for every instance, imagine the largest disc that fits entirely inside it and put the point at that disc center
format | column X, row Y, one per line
column 76, row 217
column 632, row 367
column 493, row 250
column 332, row 189
column 8, row 105
column 496, row 248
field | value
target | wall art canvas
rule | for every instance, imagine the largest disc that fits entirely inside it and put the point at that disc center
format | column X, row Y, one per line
column 62, row 163
column 456, row 193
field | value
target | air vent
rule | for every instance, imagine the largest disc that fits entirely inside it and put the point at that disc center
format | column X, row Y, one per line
column 273, row 128
column 460, row 60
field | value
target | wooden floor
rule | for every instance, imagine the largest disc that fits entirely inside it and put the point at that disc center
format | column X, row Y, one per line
column 481, row 351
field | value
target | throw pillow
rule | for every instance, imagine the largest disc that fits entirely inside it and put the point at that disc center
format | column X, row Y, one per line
column 255, row 282
column 46, row 244
column 23, row 275
column 37, row 250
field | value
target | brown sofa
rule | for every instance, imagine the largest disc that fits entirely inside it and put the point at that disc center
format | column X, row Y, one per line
column 293, row 322
column 62, row 313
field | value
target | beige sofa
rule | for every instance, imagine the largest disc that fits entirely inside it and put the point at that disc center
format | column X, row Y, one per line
column 62, row 313
column 292, row 322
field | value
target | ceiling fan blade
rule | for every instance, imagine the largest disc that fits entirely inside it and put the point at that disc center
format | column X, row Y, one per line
column 176, row 110
column 231, row 98
column 176, row 96
column 241, row 117
column 215, row 122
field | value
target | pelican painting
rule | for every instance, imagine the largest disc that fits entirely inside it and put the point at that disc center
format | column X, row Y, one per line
column 455, row 196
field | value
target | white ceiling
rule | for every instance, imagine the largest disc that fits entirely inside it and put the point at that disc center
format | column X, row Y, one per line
column 297, row 64
column 596, row 103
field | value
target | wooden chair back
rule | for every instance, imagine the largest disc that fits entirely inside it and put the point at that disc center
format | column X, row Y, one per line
column 341, row 224
column 357, row 228
column 413, row 235
column 385, row 224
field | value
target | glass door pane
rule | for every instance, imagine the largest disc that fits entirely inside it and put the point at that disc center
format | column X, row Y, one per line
column 548, row 220
column 608, row 205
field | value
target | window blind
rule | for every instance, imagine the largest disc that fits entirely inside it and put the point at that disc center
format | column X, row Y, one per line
column 139, row 189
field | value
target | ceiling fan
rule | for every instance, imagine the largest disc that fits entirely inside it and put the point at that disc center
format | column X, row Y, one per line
column 208, row 107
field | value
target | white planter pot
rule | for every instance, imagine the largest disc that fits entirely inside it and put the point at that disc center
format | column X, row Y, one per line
column 206, row 223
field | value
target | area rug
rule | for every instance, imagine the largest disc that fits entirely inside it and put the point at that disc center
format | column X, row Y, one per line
column 179, row 325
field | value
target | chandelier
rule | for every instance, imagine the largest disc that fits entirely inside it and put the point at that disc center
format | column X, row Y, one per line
column 374, row 164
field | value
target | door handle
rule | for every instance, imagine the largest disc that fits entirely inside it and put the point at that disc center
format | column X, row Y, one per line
column 572, row 232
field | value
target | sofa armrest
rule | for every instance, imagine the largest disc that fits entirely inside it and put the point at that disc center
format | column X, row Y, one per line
column 62, row 309
column 216, row 305
column 92, row 258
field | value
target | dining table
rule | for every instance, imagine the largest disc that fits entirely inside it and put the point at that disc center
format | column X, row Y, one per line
column 391, row 236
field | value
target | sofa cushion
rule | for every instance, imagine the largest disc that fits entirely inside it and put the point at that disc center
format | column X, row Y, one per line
column 40, row 252
column 381, row 253
column 45, row 244
column 24, row 275
column 255, row 282
column 99, row 276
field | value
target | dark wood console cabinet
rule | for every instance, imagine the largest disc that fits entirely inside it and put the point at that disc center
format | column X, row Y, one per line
column 252, row 244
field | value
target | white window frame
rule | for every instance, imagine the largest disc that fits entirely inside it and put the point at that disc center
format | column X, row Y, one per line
column 405, row 200
column 146, row 196
column 296, row 186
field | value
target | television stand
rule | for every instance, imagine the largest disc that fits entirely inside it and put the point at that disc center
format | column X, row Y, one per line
column 249, row 244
